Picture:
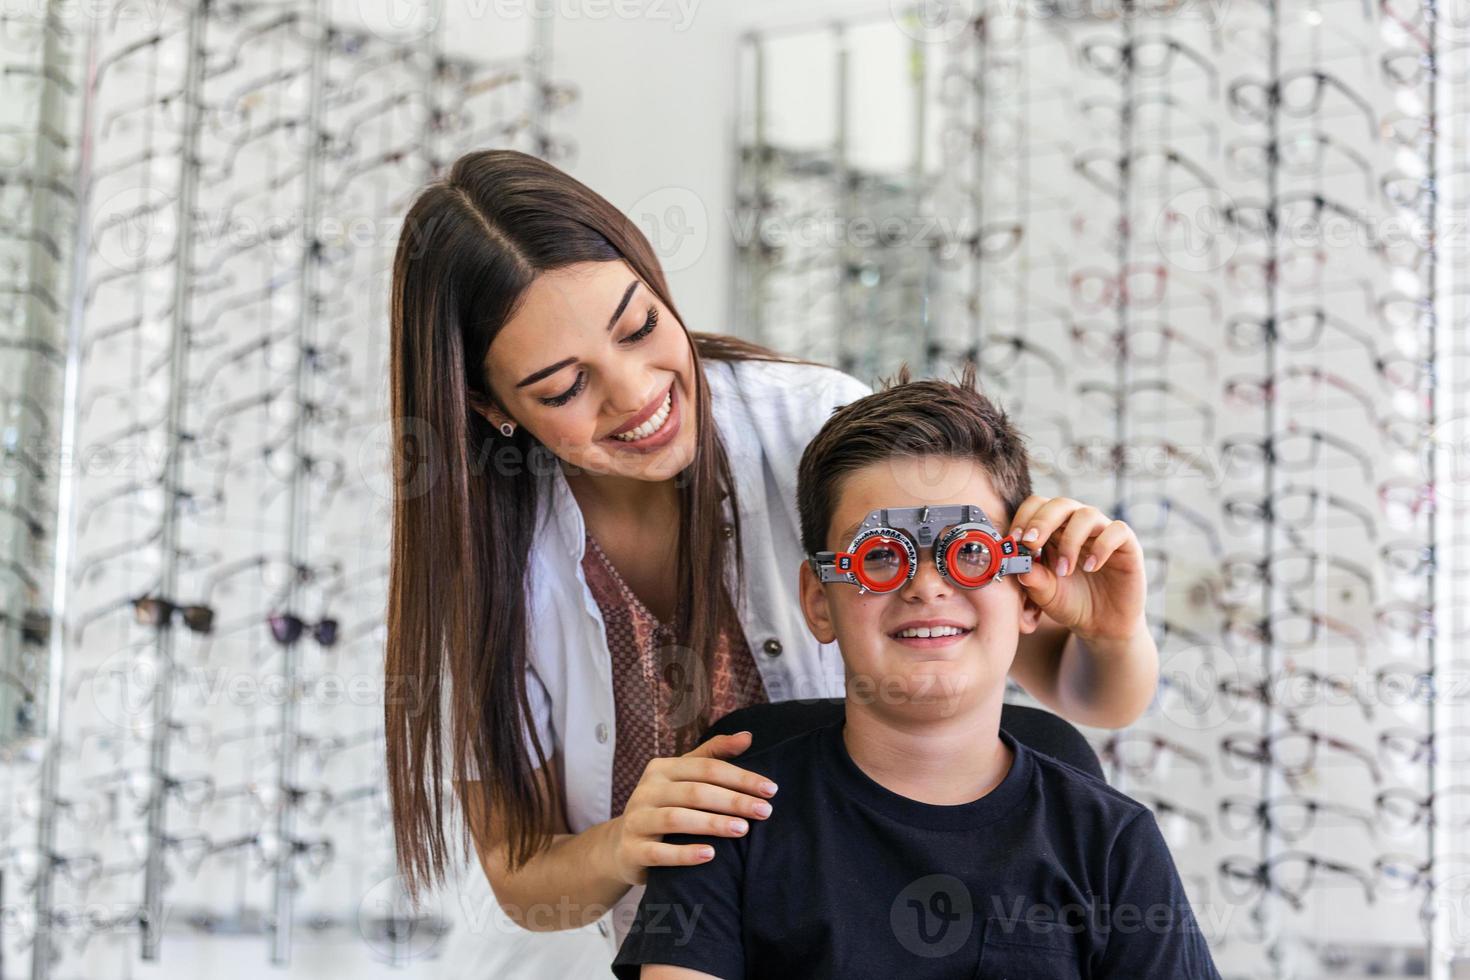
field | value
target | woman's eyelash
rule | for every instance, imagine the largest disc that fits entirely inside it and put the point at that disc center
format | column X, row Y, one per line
column 569, row 394
column 646, row 329
column 576, row 389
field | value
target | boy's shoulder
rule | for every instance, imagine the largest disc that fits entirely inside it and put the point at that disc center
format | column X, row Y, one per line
column 1083, row 794
column 1063, row 787
column 786, row 755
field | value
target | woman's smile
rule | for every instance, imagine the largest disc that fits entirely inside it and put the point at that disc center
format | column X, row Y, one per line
column 656, row 430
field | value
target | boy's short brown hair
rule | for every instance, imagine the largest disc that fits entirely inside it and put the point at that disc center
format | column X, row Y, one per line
column 904, row 419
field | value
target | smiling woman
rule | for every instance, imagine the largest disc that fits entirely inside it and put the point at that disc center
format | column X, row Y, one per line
column 533, row 332
column 596, row 544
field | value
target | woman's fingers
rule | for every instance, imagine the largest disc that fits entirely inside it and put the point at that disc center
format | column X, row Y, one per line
column 690, row 768
column 709, row 797
column 721, row 746
column 655, row 853
column 695, row 793
column 684, row 820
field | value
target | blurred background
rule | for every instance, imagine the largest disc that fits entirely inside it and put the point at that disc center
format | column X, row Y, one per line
column 1210, row 253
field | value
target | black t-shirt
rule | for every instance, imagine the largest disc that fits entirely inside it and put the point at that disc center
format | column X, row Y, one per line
column 1052, row 874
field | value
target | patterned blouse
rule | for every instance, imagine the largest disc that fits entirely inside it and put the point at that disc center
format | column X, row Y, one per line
column 648, row 677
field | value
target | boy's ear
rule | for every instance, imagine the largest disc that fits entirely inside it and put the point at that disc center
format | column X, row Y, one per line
column 814, row 604
column 1030, row 611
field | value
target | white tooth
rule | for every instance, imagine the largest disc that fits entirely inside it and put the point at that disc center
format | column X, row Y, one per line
column 924, row 632
column 655, row 423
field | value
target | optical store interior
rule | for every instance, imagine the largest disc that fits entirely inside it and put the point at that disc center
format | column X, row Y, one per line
column 1209, row 256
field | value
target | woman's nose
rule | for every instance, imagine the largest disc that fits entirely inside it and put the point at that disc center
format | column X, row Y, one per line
column 628, row 395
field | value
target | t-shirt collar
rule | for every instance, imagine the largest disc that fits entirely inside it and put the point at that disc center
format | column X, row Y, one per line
column 859, row 786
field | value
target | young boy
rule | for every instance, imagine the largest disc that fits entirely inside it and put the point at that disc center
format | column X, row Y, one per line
column 915, row 838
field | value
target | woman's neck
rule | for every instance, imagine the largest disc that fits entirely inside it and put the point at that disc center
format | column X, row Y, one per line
column 623, row 498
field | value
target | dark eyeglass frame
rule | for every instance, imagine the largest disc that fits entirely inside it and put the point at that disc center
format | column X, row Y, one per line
column 1128, row 510
column 1279, row 94
column 1127, row 58
column 1245, row 570
column 1249, row 510
column 1264, row 690
column 1085, row 164
column 286, row 628
column 1157, row 744
column 1262, row 815
column 1270, row 448
column 1166, row 807
column 1261, row 630
column 1390, row 805
column 1264, row 875
column 1117, row 397
column 1275, row 154
column 1262, row 750
column 1109, row 341
column 159, row 612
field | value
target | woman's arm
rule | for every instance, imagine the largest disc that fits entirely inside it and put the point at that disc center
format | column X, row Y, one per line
column 579, row 877
column 570, row 884
column 1105, row 683
column 662, row 971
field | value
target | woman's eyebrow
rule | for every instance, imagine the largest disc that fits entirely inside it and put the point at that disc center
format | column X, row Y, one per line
column 535, row 376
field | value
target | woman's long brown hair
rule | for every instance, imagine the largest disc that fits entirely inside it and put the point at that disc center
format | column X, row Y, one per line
column 464, row 512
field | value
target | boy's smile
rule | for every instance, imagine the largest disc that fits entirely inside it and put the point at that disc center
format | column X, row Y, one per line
column 926, row 634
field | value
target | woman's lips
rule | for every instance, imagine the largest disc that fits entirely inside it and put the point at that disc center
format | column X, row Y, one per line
column 664, row 435
column 649, row 411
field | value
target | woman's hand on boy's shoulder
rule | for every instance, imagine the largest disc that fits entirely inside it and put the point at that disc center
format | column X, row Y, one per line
column 1067, row 537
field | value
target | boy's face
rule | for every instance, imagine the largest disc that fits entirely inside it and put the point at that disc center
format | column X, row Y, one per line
column 896, row 672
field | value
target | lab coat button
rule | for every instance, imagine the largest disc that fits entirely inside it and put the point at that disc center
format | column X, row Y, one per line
column 602, row 731
column 773, row 647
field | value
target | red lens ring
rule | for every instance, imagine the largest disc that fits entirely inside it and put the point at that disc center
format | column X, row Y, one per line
column 867, row 545
column 950, row 566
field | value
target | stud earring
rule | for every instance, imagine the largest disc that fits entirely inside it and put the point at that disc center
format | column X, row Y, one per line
column 507, row 429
